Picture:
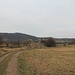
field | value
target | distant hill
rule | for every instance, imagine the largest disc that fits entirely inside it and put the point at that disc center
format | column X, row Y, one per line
column 14, row 37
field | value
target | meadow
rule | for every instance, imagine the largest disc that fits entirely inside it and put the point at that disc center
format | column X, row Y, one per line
column 47, row 61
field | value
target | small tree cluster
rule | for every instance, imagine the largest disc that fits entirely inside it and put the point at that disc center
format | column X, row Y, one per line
column 15, row 44
column 1, row 40
column 27, row 42
column 49, row 42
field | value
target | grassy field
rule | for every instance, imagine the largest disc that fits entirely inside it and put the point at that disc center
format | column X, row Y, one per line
column 48, row 61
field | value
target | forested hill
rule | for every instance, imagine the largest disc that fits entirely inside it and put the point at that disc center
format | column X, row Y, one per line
column 14, row 37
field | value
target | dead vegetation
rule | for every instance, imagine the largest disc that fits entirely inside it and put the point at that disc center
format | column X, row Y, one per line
column 4, row 51
column 51, row 61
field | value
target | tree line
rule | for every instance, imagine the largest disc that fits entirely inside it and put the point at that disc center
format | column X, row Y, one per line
column 13, row 44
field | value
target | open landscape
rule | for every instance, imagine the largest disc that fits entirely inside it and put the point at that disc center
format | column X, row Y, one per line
column 51, row 61
column 59, row 60
column 30, row 55
column 37, row 37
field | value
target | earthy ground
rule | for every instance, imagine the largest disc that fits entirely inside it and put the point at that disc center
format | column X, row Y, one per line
column 4, row 56
column 52, row 61
column 8, row 61
column 47, row 61
column 12, row 65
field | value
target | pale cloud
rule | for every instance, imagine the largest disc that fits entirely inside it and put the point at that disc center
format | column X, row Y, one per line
column 38, row 17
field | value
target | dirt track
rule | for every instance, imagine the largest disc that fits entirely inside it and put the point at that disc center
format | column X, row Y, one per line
column 12, row 65
column 3, row 57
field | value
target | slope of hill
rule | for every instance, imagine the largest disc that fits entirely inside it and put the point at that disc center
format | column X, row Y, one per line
column 14, row 37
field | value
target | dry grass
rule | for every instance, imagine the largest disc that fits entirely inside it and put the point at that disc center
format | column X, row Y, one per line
column 51, row 61
column 35, row 45
column 7, row 50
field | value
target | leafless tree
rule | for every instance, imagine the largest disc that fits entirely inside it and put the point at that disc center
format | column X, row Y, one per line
column 1, row 40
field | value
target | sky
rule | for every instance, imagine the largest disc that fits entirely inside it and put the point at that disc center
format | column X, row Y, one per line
column 41, row 18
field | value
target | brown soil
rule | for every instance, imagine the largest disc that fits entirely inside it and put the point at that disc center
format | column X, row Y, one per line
column 4, row 56
column 12, row 65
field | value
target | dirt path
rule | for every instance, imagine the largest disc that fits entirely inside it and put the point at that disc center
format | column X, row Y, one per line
column 4, row 56
column 12, row 65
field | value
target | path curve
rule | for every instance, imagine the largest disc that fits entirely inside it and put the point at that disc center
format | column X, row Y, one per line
column 12, row 65
column 4, row 56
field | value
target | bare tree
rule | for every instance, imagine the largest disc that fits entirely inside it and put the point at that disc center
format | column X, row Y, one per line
column 1, row 40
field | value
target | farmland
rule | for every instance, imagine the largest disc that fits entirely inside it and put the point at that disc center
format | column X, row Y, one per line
column 48, row 61
column 59, row 60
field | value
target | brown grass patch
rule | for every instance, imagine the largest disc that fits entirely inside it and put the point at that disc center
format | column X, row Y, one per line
column 51, row 61
column 7, row 50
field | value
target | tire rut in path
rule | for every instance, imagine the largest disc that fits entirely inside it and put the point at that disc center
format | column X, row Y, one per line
column 12, row 65
column 4, row 56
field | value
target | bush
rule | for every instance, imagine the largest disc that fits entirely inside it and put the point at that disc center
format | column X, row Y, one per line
column 49, row 42
column 1, row 40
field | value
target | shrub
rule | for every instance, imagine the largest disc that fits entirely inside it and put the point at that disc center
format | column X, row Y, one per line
column 1, row 40
column 49, row 42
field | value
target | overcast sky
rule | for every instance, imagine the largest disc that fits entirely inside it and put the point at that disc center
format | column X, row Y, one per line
column 54, row 18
